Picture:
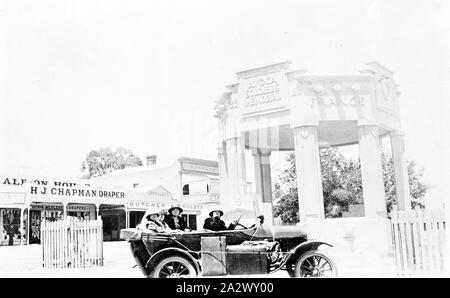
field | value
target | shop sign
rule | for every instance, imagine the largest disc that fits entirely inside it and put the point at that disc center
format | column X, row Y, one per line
column 79, row 208
column 75, row 192
column 145, row 205
column 160, row 195
column 200, row 168
column 22, row 181
column 40, row 206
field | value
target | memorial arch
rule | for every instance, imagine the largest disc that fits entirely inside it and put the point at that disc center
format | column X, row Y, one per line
column 275, row 108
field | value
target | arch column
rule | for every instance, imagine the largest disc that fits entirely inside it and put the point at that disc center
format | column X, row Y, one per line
column 371, row 171
column 401, row 170
column 232, row 163
column 263, row 178
column 221, row 156
column 309, row 176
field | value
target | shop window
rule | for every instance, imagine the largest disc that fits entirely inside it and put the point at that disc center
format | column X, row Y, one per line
column 191, row 220
column 10, row 226
column 185, row 189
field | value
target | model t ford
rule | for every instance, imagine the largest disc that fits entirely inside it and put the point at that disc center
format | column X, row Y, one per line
column 255, row 250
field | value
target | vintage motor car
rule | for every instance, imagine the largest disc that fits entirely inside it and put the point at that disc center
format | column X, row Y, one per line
column 242, row 251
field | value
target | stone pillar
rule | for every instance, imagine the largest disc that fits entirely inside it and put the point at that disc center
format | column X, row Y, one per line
column 223, row 170
column 266, row 176
column 235, row 171
column 309, row 176
column 371, row 171
column 232, row 173
column 258, row 172
column 401, row 171
column 241, row 164
column 263, row 178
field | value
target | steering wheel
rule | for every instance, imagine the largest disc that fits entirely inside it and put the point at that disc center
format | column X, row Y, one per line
column 241, row 225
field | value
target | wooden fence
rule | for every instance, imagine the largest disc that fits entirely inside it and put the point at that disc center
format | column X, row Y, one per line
column 72, row 243
column 419, row 241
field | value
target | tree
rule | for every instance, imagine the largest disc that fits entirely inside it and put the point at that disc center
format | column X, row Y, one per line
column 103, row 161
column 418, row 189
column 342, row 185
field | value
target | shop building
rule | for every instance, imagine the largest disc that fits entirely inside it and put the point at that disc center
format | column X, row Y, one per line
column 191, row 183
column 120, row 198
column 25, row 202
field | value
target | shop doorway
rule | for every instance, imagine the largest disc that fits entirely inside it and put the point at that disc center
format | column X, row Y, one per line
column 114, row 219
column 136, row 218
column 35, row 226
column 10, row 226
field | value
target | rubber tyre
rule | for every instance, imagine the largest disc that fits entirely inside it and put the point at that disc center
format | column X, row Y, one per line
column 309, row 254
column 290, row 269
column 181, row 260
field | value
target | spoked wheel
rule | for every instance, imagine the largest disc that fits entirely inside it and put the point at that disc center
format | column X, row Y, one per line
column 315, row 264
column 174, row 267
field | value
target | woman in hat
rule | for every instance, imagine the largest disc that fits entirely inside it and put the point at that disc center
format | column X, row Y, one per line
column 153, row 221
column 174, row 219
column 214, row 223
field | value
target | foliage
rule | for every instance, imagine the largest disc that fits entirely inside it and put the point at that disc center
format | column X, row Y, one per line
column 417, row 188
column 342, row 185
column 103, row 161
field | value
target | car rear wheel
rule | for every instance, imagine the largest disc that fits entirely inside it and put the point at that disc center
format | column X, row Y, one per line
column 315, row 263
column 174, row 267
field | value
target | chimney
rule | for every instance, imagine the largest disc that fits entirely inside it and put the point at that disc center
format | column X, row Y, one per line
column 151, row 159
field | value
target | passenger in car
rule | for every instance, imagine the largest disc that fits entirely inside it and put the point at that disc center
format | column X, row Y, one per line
column 214, row 223
column 153, row 221
column 174, row 219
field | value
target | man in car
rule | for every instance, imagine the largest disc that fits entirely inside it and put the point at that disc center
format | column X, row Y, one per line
column 214, row 223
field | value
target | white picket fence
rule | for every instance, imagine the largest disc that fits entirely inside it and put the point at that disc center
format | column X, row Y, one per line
column 419, row 241
column 72, row 243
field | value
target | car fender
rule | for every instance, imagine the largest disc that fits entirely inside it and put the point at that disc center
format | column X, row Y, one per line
column 300, row 249
column 166, row 251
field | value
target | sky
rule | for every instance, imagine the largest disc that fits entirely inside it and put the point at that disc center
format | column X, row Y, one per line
column 80, row 75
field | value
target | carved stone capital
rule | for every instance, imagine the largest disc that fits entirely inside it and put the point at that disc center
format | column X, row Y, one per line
column 306, row 132
column 366, row 130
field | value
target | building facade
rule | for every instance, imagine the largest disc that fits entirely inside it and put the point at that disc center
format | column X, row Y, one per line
column 120, row 198
column 191, row 183
column 25, row 202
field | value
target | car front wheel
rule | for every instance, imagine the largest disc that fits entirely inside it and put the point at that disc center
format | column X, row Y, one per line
column 174, row 267
column 315, row 263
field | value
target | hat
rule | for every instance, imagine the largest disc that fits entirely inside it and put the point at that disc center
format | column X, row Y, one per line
column 175, row 207
column 220, row 211
column 153, row 210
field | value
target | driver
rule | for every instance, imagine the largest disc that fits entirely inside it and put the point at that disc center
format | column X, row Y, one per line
column 214, row 223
